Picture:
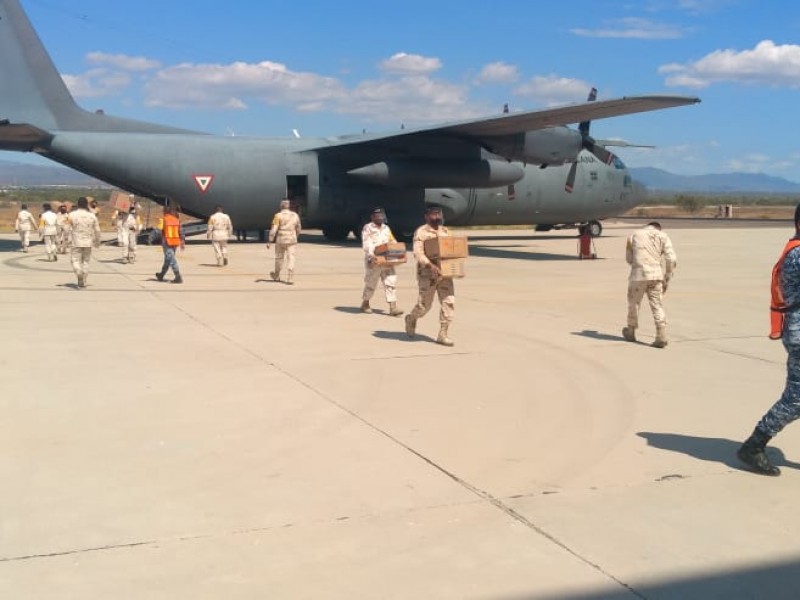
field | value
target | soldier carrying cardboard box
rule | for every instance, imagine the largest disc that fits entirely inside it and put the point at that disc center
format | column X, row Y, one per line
column 382, row 253
column 430, row 279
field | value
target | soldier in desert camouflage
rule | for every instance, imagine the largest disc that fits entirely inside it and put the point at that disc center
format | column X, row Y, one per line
column 430, row 280
column 646, row 250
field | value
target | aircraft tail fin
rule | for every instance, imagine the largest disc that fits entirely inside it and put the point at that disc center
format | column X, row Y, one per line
column 32, row 91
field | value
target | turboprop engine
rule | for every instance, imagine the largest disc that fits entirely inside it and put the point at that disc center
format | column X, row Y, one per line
column 482, row 173
column 551, row 146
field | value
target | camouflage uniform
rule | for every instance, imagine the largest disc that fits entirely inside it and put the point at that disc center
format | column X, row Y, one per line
column 430, row 284
column 284, row 232
column 645, row 251
column 24, row 224
column 85, row 236
column 787, row 409
column 48, row 229
column 118, row 220
column 220, row 229
column 131, row 226
column 371, row 236
column 63, row 232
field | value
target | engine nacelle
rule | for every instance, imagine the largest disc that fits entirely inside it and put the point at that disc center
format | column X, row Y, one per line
column 453, row 204
column 441, row 173
column 551, row 146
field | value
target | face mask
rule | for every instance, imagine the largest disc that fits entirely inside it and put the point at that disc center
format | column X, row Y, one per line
column 437, row 222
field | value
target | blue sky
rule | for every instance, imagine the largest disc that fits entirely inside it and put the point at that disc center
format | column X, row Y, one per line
column 327, row 68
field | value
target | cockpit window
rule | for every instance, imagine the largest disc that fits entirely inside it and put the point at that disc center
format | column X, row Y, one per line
column 618, row 164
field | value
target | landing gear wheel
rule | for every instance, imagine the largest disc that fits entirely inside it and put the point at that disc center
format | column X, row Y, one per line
column 335, row 233
column 595, row 228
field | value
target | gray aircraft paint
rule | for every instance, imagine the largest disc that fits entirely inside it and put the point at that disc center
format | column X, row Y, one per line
column 341, row 178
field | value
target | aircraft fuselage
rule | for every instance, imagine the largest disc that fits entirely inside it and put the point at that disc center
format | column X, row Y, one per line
column 249, row 176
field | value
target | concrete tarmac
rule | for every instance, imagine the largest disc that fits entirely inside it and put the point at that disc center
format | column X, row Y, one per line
column 237, row 438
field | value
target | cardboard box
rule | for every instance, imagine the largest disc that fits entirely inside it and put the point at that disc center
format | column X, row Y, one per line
column 388, row 261
column 446, row 247
column 391, row 250
column 453, row 268
column 120, row 201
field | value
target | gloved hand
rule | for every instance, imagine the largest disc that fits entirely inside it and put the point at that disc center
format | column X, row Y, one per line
column 665, row 282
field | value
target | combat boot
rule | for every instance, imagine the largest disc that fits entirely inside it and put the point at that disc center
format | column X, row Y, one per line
column 752, row 454
column 160, row 276
column 225, row 261
column 275, row 275
column 411, row 326
column 629, row 333
column 661, row 337
column 393, row 310
column 178, row 279
column 365, row 307
column 442, row 337
column 81, row 281
column 290, row 278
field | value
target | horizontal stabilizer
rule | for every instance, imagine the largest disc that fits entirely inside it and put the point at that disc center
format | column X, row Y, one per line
column 22, row 137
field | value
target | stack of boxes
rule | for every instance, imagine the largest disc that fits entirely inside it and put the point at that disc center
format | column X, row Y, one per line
column 390, row 255
column 449, row 253
column 121, row 201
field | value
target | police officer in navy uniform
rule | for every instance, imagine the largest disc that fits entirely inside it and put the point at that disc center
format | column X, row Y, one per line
column 786, row 282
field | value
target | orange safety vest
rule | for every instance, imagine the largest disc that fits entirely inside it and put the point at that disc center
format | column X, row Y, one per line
column 778, row 308
column 172, row 231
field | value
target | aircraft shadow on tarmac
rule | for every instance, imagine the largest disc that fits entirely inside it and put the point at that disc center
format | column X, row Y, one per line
column 719, row 450
column 776, row 581
column 11, row 245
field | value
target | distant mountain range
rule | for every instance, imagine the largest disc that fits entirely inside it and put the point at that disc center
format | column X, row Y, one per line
column 16, row 174
column 23, row 174
column 723, row 183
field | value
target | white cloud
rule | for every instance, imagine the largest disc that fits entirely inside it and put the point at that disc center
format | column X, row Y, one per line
column 410, row 64
column 122, row 61
column 397, row 98
column 227, row 86
column 498, row 72
column 552, row 90
column 767, row 63
column 97, row 83
column 681, row 158
column 408, row 99
column 634, row 28
column 761, row 163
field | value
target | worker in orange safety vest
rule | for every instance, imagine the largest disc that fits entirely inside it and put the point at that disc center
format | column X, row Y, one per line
column 171, row 239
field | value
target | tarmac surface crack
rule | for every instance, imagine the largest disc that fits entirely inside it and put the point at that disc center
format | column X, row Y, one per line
column 482, row 494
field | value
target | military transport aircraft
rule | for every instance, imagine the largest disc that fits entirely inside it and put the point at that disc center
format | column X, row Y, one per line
column 513, row 168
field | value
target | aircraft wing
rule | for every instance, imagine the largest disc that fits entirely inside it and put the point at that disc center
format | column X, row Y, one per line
column 520, row 122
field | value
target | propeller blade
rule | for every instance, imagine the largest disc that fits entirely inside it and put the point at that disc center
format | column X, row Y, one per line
column 603, row 155
column 583, row 127
column 571, row 178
